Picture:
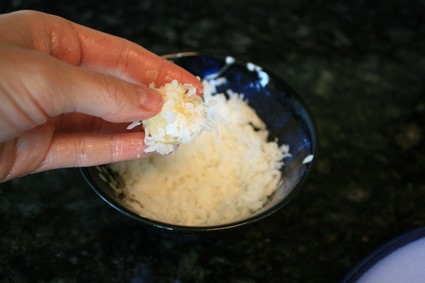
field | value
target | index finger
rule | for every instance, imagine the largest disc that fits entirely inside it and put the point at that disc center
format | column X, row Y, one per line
column 129, row 60
column 83, row 46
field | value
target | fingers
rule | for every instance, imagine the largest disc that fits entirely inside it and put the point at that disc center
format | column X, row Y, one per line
column 83, row 46
column 129, row 60
column 80, row 150
column 42, row 149
column 104, row 96
column 96, row 75
column 35, row 87
column 82, row 123
column 24, row 154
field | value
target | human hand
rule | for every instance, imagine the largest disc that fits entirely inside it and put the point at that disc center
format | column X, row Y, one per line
column 68, row 93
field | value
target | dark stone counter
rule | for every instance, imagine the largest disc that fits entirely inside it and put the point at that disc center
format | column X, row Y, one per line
column 360, row 67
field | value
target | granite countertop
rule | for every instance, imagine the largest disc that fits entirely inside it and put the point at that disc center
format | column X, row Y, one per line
column 358, row 66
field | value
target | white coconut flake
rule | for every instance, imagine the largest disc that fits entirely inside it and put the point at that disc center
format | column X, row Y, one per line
column 224, row 175
column 230, row 60
column 250, row 66
column 134, row 125
column 308, row 159
column 181, row 120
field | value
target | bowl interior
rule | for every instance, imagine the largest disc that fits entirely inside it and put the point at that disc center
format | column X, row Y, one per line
column 276, row 103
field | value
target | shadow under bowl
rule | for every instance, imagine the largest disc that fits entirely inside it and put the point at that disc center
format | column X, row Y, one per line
column 276, row 103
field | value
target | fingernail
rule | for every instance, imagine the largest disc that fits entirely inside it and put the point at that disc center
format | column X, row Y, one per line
column 149, row 99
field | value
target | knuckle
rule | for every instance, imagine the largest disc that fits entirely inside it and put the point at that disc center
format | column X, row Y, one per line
column 48, row 99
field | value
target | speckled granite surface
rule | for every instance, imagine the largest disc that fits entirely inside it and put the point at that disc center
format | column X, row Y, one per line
column 360, row 67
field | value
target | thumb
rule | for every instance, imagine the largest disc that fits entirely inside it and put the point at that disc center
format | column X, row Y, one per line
column 83, row 90
column 35, row 87
column 107, row 97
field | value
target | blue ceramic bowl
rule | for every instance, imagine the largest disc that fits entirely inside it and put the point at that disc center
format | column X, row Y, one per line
column 276, row 103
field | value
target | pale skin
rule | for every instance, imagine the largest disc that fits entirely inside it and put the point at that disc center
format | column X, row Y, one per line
column 68, row 92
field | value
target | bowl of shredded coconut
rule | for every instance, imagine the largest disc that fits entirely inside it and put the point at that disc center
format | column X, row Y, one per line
column 235, row 155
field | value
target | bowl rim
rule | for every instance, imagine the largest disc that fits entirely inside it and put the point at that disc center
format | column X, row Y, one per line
column 311, row 125
column 380, row 253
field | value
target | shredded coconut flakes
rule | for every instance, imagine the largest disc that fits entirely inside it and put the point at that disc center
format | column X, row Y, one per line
column 224, row 175
column 181, row 120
